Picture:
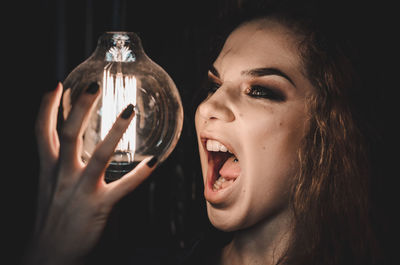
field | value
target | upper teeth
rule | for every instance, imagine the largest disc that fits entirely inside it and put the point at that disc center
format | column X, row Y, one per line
column 215, row 146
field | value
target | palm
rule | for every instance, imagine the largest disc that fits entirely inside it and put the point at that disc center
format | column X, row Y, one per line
column 74, row 201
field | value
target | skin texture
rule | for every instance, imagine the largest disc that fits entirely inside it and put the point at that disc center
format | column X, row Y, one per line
column 264, row 133
column 263, row 127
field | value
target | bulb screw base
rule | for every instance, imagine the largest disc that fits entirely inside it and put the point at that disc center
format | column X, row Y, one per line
column 116, row 171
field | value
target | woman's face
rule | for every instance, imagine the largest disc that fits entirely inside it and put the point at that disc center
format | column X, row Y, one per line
column 250, row 127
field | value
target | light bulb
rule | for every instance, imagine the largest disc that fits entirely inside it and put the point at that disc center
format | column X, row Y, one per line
column 126, row 75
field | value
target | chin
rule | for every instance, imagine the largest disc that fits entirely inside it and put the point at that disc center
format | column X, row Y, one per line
column 224, row 220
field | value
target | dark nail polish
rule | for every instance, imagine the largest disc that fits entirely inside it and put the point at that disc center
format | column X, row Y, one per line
column 152, row 161
column 93, row 88
column 127, row 112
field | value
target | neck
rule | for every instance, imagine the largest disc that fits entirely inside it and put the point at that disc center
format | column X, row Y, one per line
column 263, row 243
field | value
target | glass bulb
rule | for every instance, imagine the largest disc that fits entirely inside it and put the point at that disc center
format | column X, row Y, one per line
column 126, row 75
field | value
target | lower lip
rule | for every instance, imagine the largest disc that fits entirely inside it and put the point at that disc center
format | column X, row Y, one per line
column 216, row 196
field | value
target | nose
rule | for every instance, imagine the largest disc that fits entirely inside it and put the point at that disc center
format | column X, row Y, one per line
column 217, row 107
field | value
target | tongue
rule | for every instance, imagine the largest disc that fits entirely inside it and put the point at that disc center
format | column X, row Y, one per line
column 230, row 169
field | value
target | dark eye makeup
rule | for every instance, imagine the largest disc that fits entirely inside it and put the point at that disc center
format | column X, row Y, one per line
column 212, row 86
column 258, row 91
column 255, row 91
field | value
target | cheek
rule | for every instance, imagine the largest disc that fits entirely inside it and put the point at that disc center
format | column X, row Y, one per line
column 270, row 163
column 272, row 151
column 269, row 175
column 276, row 137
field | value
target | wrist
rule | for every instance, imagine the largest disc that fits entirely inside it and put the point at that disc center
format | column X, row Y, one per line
column 37, row 254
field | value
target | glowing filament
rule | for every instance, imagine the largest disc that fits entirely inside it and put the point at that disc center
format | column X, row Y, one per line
column 118, row 92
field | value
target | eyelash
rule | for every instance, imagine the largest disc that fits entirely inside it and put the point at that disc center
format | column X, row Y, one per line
column 212, row 87
column 255, row 91
column 258, row 91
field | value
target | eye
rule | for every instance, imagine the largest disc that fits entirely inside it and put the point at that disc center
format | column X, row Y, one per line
column 212, row 87
column 257, row 91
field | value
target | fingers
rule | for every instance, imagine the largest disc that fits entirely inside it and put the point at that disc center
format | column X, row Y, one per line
column 131, row 180
column 73, row 127
column 101, row 156
column 46, row 126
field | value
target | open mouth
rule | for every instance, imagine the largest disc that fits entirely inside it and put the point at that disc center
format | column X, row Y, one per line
column 224, row 166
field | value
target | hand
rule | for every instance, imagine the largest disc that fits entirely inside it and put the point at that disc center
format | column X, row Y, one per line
column 74, row 200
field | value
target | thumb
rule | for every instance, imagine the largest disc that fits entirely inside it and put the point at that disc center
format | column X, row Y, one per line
column 131, row 180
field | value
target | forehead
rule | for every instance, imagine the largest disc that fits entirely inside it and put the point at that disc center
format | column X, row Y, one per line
column 261, row 43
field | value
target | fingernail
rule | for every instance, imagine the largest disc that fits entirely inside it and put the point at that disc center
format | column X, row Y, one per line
column 152, row 161
column 127, row 113
column 59, row 86
column 92, row 89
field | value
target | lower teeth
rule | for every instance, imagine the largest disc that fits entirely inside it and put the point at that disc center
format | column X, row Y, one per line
column 221, row 183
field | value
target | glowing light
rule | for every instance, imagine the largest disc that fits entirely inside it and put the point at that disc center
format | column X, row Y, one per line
column 118, row 92
column 126, row 75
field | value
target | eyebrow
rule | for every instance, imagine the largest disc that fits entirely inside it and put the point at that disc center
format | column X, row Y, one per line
column 258, row 72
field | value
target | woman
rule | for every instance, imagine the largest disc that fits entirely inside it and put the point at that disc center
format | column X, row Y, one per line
column 282, row 156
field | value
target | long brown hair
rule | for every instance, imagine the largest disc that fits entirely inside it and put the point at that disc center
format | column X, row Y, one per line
column 331, row 192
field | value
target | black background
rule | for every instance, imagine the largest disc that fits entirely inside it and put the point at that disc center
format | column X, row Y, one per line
column 44, row 40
